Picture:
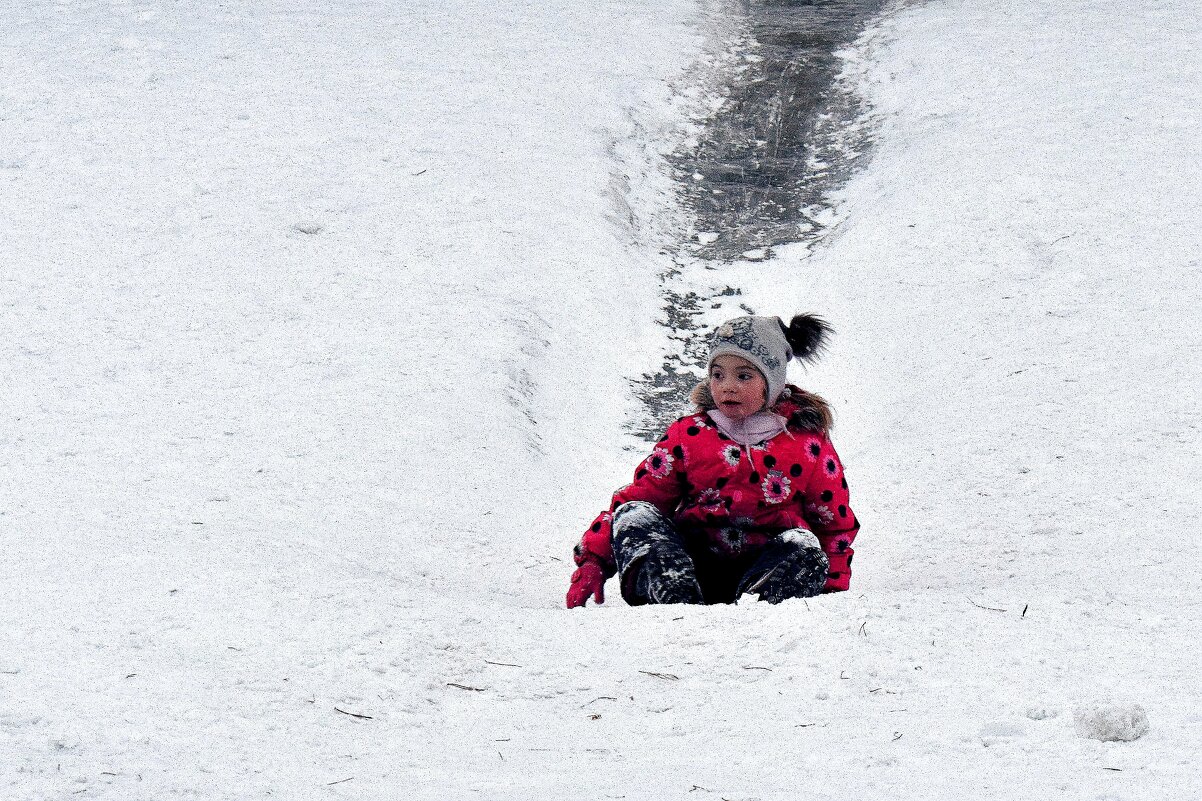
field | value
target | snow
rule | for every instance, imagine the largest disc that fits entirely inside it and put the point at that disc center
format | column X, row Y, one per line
column 1111, row 722
column 318, row 325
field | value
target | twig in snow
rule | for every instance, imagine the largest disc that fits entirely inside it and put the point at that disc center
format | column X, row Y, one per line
column 354, row 714
column 756, row 667
column 699, row 787
column 1116, row 770
column 131, row 675
column 599, row 698
column 842, row 676
column 669, row 676
column 897, row 735
column 978, row 606
column 465, row 687
column 677, row 618
column 10, row 672
column 1024, row 614
column 415, row 174
column 501, row 664
column 804, row 725
column 864, row 628
column 340, row 781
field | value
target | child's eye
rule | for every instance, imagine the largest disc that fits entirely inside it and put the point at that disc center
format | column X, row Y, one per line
column 744, row 376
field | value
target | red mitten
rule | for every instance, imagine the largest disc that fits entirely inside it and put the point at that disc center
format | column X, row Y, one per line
column 589, row 579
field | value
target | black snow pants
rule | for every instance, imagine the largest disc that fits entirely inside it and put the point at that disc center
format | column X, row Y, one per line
column 656, row 566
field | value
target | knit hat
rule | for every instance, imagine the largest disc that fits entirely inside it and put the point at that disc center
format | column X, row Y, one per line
column 768, row 344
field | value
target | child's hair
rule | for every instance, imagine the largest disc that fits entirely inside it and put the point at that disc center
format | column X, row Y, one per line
column 810, row 413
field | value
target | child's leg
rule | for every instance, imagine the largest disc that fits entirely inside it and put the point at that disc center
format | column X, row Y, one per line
column 793, row 566
column 653, row 566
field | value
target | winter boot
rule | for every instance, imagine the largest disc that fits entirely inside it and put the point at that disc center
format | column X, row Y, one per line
column 653, row 566
column 794, row 566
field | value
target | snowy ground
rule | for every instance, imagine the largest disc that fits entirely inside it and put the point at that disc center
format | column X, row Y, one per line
column 316, row 329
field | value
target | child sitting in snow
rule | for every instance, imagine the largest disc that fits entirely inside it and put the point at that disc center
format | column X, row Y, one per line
column 746, row 495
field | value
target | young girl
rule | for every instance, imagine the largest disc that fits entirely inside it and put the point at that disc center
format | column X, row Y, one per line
column 744, row 497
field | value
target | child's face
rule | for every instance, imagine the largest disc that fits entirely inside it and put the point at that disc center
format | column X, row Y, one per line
column 737, row 387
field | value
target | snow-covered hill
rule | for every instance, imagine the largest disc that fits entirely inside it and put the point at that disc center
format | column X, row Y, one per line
column 316, row 329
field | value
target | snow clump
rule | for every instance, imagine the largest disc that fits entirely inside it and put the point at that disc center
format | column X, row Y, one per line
column 1111, row 723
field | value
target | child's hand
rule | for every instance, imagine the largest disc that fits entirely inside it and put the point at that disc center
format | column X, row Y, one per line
column 588, row 580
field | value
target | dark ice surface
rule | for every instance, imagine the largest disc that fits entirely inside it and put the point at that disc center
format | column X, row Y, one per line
column 750, row 179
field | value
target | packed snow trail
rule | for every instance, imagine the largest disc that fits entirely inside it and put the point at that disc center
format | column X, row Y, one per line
column 371, row 253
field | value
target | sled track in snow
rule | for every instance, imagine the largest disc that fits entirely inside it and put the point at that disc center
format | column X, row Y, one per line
column 760, row 172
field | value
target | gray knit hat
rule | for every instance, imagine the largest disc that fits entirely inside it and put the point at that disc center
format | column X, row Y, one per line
column 768, row 344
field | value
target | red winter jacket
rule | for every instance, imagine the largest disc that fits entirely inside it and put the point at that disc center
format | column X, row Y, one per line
column 706, row 483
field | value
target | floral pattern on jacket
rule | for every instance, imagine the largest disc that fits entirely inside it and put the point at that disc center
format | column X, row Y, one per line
column 732, row 498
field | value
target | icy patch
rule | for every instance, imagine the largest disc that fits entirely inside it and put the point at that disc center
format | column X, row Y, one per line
column 1111, row 723
column 308, row 227
column 999, row 731
column 1042, row 713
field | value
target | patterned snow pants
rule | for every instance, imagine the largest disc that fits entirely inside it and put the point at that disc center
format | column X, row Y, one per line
column 655, row 566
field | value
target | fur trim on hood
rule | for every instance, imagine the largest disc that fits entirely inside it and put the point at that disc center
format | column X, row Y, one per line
column 804, row 410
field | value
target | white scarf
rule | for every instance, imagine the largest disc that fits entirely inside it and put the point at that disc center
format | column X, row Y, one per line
column 752, row 429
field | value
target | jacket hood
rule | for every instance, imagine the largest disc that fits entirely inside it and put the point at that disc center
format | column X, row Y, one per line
column 803, row 410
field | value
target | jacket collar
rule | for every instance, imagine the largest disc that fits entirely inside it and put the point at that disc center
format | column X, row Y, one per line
column 751, row 430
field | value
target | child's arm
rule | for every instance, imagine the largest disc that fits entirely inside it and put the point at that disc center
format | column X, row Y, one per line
column 829, row 515
column 659, row 480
